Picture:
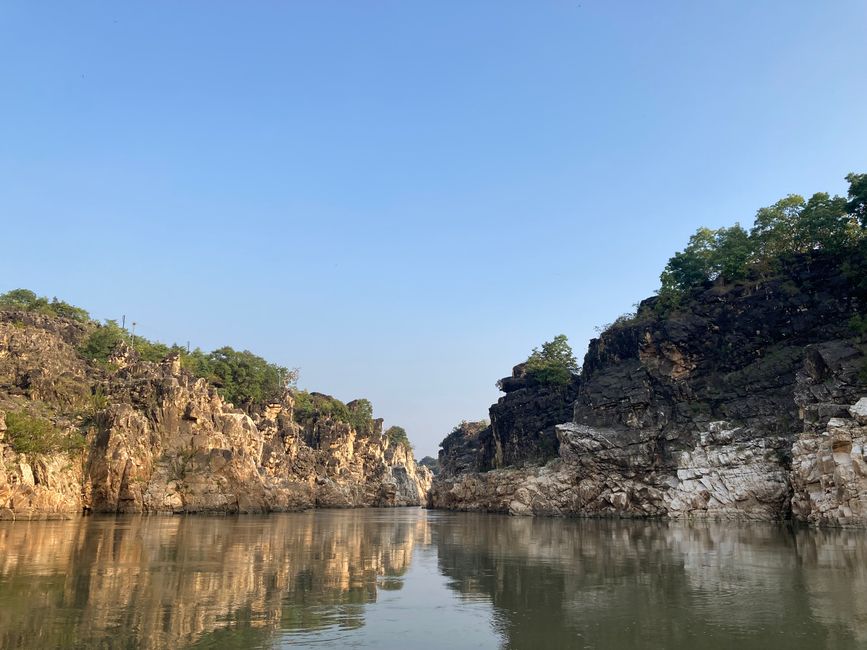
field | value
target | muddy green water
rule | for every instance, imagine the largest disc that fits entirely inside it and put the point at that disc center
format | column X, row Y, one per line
column 410, row 578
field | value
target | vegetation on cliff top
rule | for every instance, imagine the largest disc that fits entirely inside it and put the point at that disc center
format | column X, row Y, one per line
column 26, row 300
column 311, row 406
column 552, row 364
column 397, row 436
column 790, row 226
column 241, row 377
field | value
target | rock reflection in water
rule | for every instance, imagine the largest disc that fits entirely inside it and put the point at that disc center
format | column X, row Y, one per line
column 626, row 584
column 412, row 578
column 168, row 582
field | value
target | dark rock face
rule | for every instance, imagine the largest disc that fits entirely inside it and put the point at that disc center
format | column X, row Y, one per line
column 466, row 449
column 698, row 413
column 523, row 420
column 521, row 431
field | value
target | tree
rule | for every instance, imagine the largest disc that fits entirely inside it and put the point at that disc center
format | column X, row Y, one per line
column 102, row 341
column 732, row 251
column 554, row 363
column 105, row 338
column 397, row 436
column 360, row 414
column 246, row 379
column 857, row 203
column 26, row 300
column 692, row 266
column 312, row 406
column 19, row 299
column 824, row 223
column 775, row 227
column 791, row 225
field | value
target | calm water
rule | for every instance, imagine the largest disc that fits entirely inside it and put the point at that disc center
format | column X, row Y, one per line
column 409, row 578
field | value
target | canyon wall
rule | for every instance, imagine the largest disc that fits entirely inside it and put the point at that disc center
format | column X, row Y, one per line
column 153, row 438
column 743, row 403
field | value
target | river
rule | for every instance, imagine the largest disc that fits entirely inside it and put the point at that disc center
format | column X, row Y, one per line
column 412, row 578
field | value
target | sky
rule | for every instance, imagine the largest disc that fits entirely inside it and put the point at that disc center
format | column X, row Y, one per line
column 399, row 198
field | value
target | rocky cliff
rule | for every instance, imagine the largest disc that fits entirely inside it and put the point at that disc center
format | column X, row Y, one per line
column 135, row 436
column 521, row 432
column 740, row 404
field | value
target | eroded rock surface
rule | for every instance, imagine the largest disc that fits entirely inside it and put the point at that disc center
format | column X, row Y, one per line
column 749, row 405
column 160, row 440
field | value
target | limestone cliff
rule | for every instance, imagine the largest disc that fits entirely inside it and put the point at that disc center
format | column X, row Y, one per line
column 735, row 406
column 156, row 439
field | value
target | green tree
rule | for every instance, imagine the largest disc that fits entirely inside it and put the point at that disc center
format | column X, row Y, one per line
column 775, row 229
column 312, row 406
column 791, row 225
column 857, row 195
column 66, row 310
column 824, row 223
column 26, row 300
column 102, row 341
column 690, row 267
column 360, row 414
column 732, row 251
column 19, row 299
column 245, row 379
column 554, row 363
column 397, row 436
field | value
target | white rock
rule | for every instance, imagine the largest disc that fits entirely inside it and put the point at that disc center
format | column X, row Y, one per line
column 859, row 410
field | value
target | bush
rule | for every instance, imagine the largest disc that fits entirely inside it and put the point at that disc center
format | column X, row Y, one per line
column 397, row 436
column 97, row 403
column 27, row 434
column 26, row 300
column 102, row 341
column 312, row 406
column 858, row 324
column 554, row 363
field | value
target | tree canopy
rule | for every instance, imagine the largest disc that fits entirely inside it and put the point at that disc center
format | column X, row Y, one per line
column 311, row 406
column 26, row 300
column 857, row 197
column 241, row 377
column 397, row 436
column 791, row 225
column 104, row 339
column 554, row 363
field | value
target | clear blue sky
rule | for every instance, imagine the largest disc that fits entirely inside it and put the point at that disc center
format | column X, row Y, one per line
column 403, row 198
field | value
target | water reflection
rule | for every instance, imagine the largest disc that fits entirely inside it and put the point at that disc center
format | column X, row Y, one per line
column 169, row 582
column 619, row 584
column 411, row 578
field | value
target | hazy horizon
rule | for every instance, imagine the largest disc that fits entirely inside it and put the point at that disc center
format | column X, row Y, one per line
column 402, row 200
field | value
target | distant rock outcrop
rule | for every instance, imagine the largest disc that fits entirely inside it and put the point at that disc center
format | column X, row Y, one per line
column 523, row 420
